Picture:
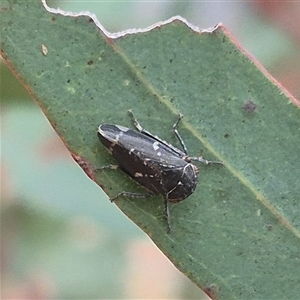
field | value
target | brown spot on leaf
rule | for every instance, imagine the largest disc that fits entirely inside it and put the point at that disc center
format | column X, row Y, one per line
column 249, row 106
column 211, row 291
column 86, row 166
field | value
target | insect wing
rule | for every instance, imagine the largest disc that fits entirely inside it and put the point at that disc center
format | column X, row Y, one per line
column 149, row 161
column 145, row 146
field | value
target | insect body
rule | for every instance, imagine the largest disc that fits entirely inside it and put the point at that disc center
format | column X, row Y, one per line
column 158, row 166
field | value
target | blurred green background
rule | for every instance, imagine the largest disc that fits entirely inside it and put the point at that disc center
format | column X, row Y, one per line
column 61, row 238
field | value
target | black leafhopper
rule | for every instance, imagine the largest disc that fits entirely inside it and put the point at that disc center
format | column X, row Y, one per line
column 157, row 165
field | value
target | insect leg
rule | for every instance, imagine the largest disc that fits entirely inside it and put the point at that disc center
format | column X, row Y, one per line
column 130, row 195
column 135, row 121
column 204, row 161
column 178, row 135
column 167, row 214
column 200, row 158
column 139, row 127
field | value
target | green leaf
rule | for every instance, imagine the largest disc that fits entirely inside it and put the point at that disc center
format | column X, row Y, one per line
column 238, row 235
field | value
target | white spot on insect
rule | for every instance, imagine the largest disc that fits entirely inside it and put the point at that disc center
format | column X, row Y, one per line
column 131, row 150
column 119, row 135
column 158, row 153
column 122, row 128
column 155, row 145
column 137, row 174
column 145, row 161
